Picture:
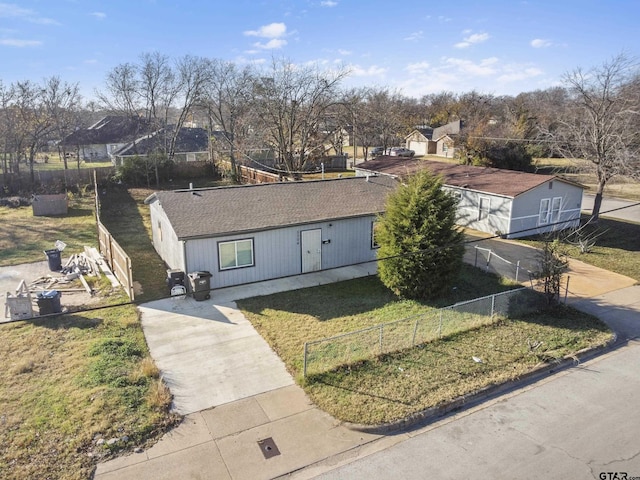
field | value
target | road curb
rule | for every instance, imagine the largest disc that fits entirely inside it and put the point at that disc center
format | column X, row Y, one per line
column 424, row 417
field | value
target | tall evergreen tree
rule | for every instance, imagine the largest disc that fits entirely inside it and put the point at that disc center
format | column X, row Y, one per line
column 420, row 246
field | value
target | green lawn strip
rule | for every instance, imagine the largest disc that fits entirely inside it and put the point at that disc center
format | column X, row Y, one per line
column 69, row 381
column 616, row 250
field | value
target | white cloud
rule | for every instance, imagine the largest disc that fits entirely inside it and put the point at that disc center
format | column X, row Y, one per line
column 272, row 44
column 472, row 40
column 417, row 68
column 414, row 36
column 14, row 42
column 11, row 10
column 344, row 52
column 515, row 73
column 372, row 71
column 328, row 3
column 540, row 43
column 91, row 61
column 99, row 15
column 273, row 30
column 485, row 67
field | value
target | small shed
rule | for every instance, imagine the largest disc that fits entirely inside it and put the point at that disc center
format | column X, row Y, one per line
column 250, row 233
column 497, row 201
column 46, row 205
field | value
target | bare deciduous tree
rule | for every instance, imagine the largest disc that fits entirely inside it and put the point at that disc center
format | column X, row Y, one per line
column 601, row 122
column 292, row 102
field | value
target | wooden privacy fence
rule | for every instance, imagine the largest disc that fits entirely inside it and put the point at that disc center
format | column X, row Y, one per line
column 117, row 258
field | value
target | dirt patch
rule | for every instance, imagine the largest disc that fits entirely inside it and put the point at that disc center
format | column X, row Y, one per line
column 73, row 295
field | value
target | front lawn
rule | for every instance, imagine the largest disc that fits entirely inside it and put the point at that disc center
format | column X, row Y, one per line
column 394, row 386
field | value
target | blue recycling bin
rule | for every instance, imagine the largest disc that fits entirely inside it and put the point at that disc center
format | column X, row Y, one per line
column 49, row 302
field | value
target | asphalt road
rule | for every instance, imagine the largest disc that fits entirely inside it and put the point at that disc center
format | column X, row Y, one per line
column 614, row 208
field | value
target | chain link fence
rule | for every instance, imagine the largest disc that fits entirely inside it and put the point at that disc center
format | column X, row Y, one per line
column 349, row 348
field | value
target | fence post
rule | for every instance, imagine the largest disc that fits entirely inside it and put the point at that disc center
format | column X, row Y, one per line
column 566, row 290
column 493, row 304
column 415, row 330
column 517, row 270
column 381, row 328
column 304, row 361
column 489, row 259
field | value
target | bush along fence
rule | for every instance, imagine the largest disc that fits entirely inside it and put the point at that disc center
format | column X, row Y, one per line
column 349, row 348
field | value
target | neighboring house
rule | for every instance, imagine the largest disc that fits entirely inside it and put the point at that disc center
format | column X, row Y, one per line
column 505, row 202
column 420, row 141
column 250, row 233
column 191, row 144
column 434, row 141
column 99, row 141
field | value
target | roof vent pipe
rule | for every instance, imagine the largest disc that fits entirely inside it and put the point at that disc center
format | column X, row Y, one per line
column 190, row 186
column 367, row 178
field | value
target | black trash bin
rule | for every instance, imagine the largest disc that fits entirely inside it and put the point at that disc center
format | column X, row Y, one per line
column 200, row 285
column 55, row 259
column 175, row 277
column 49, row 302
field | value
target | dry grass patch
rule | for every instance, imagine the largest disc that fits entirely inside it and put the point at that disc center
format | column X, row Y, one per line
column 394, row 386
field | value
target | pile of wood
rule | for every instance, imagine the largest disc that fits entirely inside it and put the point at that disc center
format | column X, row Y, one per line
column 88, row 263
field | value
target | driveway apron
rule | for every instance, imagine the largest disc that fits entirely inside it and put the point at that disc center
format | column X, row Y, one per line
column 209, row 354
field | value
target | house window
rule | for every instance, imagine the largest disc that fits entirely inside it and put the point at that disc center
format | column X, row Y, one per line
column 483, row 208
column 374, row 227
column 545, row 207
column 556, row 205
column 235, row 254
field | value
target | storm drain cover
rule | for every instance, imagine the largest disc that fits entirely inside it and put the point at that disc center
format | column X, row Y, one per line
column 268, row 447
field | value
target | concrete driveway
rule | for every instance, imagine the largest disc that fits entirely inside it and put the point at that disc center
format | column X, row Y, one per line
column 209, row 354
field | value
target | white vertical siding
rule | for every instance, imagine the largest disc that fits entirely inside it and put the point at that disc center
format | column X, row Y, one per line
column 164, row 238
column 497, row 220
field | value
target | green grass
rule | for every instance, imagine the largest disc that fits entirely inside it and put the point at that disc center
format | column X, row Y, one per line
column 394, row 386
column 617, row 249
column 68, row 381
column 24, row 237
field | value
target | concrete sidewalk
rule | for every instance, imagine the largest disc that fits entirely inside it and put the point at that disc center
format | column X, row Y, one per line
column 227, row 442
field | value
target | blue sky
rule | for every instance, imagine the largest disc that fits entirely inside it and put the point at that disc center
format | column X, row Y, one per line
column 413, row 46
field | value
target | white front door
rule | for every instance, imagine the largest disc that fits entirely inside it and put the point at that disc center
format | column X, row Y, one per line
column 311, row 243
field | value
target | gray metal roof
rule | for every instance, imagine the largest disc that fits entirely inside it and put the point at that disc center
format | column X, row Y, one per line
column 220, row 211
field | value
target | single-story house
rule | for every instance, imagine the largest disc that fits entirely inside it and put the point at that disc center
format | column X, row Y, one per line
column 192, row 144
column 250, row 233
column 100, row 140
column 497, row 201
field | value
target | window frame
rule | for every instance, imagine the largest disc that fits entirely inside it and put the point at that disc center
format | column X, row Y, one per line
column 235, row 244
column 544, row 220
column 480, row 209
column 555, row 215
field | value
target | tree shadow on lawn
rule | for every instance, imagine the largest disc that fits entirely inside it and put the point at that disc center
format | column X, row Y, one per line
column 67, row 322
column 362, row 295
